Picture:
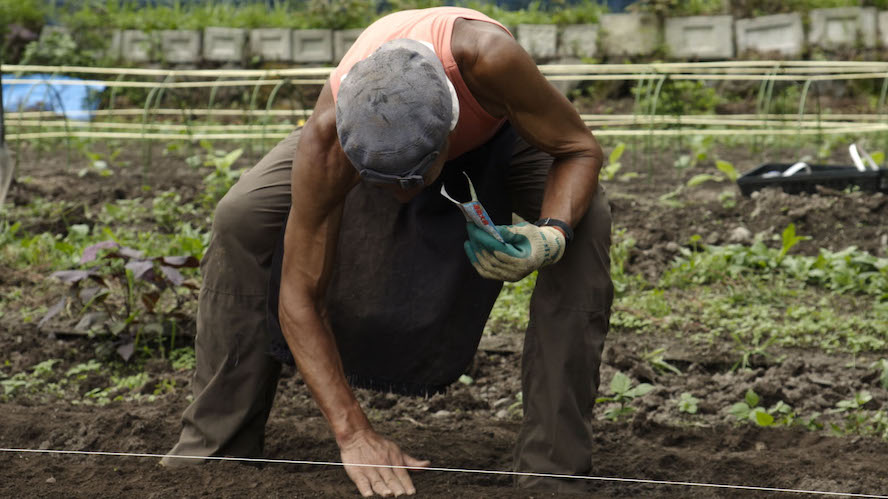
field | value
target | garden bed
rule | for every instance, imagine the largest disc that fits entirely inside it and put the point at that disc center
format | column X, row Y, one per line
column 667, row 332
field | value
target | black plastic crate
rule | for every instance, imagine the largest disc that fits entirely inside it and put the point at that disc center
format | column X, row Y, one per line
column 831, row 176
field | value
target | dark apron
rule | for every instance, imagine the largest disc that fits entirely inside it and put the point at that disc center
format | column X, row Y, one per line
column 405, row 305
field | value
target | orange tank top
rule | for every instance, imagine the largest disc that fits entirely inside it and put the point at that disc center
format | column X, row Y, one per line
column 475, row 126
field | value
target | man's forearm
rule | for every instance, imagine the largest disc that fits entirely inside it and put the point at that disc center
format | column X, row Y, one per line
column 571, row 184
column 317, row 357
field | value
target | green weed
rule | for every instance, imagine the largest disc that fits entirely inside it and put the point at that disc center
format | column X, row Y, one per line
column 780, row 414
column 857, row 420
column 688, row 403
column 623, row 393
column 613, row 163
column 656, row 360
column 182, row 359
column 881, row 367
column 223, row 176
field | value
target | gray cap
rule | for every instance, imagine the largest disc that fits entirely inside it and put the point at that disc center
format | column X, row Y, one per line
column 394, row 111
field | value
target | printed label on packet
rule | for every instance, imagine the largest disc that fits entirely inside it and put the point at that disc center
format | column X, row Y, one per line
column 474, row 212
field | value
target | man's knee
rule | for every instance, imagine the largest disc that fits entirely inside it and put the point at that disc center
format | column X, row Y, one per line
column 581, row 279
column 232, row 213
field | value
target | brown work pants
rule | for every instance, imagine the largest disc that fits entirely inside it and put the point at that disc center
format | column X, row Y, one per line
column 235, row 378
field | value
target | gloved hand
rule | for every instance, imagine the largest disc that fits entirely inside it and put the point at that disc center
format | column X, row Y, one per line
column 527, row 248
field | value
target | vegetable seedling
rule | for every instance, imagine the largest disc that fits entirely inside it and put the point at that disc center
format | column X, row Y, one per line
column 623, row 394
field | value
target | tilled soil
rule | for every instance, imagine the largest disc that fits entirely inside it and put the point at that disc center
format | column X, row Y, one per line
column 473, row 426
column 470, row 427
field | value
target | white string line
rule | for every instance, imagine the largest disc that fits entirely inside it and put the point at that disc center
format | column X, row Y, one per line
column 453, row 470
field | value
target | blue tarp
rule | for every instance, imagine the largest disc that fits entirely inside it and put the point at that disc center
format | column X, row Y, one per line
column 74, row 101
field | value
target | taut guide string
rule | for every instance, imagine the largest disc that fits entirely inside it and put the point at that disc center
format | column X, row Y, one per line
column 455, row 470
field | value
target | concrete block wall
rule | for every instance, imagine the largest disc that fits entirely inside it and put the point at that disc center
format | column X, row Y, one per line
column 136, row 46
column 271, row 44
column 700, row 37
column 630, row 34
column 313, row 45
column 843, row 27
column 579, row 40
column 224, row 44
column 781, row 33
column 883, row 28
column 539, row 40
column 615, row 37
column 180, row 46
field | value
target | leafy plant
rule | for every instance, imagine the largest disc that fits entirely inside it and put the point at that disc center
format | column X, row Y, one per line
column 170, row 211
column 55, row 49
column 558, row 12
column 703, row 178
column 678, row 98
column 789, row 239
column 681, row 7
column 620, row 252
column 656, row 360
column 80, row 370
column 19, row 19
column 856, row 417
column 613, row 163
column 223, row 176
column 780, row 414
column 509, row 312
column 701, row 146
column 670, row 199
column 881, row 366
column 130, row 288
column 849, row 270
column 182, row 359
column 728, row 169
column 751, row 350
column 29, row 382
column 728, row 199
column 623, row 393
column 688, row 403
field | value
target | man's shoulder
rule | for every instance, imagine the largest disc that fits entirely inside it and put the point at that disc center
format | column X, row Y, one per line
column 479, row 46
column 319, row 156
column 471, row 38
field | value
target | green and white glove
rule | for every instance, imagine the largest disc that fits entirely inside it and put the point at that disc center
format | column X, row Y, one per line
column 527, row 248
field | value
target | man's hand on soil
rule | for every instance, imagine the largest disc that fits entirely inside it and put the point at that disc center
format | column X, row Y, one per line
column 368, row 447
column 527, row 248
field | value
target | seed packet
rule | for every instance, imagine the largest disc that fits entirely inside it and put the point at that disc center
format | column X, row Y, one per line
column 474, row 212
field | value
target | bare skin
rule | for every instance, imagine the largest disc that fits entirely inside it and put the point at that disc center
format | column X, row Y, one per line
column 507, row 83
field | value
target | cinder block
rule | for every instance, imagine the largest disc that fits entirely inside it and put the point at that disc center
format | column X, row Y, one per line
column 313, row 45
column 843, row 27
column 114, row 48
column 579, row 40
column 782, row 33
column 271, row 44
column 180, row 46
column 700, row 37
column 136, row 46
column 630, row 34
column 539, row 40
column 883, row 28
column 343, row 40
column 224, row 44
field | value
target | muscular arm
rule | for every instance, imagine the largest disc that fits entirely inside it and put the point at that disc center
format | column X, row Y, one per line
column 506, row 82
column 321, row 178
